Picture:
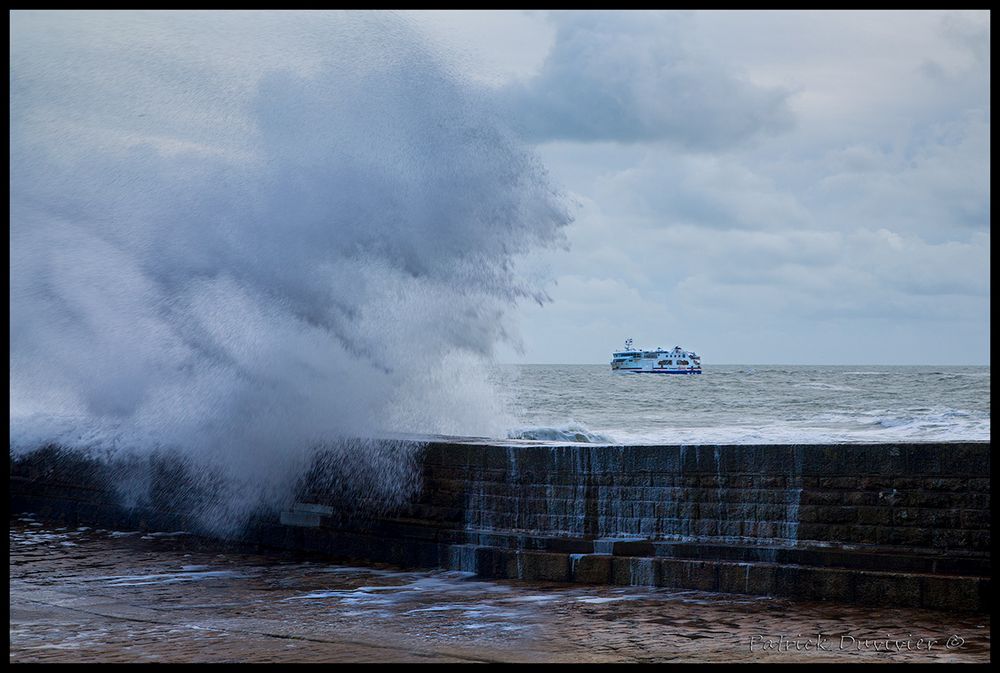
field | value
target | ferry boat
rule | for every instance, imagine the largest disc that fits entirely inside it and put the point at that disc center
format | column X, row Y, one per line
column 659, row 361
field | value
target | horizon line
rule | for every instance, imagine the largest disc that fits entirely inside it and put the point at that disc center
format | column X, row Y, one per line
column 775, row 364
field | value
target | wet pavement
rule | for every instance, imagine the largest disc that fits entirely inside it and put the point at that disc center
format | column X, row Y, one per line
column 79, row 595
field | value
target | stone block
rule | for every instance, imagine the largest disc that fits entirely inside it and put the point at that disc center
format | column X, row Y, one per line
column 730, row 528
column 538, row 566
column 958, row 594
column 821, row 497
column 779, row 512
column 875, row 482
column 634, row 571
column 735, row 578
column 875, row 516
column 971, row 460
column 975, row 519
column 825, row 584
column 632, row 548
column 837, row 514
column 979, row 540
column 744, row 511
column 849, row 483
column 882, row 589
column 490, row 562
column 951, row 539
column 702, row 575
column 591, row 568
column 979, row 484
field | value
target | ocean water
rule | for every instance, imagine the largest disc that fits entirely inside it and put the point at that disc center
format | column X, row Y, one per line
column 748, row 404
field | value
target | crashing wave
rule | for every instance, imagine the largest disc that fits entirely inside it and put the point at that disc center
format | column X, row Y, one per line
column 565, row 433
column 253, row 251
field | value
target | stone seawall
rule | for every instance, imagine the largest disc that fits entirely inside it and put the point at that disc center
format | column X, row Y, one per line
column 901, row 524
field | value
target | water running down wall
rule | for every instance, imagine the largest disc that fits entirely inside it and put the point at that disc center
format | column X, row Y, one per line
column 904, row 524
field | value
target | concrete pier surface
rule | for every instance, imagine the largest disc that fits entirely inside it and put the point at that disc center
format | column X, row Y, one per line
column 886, row 525
column 80, row 594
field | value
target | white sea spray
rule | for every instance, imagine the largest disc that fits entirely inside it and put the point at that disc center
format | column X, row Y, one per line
column 239, row 235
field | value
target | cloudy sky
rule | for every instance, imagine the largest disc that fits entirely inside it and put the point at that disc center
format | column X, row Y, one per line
column 762, row 187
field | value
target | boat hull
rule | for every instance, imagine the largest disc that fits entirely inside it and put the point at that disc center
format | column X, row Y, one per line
column 654, row 371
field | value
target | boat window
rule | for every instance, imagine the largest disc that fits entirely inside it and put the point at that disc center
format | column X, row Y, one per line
column 682, row 362
column 669, row 362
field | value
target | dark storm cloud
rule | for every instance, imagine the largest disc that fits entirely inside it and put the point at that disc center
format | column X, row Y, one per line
column 631, row 77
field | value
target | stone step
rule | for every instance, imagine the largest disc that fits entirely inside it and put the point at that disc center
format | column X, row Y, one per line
column 865, row 587
column 829, row 556
column 804, row 553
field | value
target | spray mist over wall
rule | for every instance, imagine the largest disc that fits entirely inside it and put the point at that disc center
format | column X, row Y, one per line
column 242, row 234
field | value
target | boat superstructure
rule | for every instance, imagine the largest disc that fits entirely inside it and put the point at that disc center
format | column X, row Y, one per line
column 659, row 361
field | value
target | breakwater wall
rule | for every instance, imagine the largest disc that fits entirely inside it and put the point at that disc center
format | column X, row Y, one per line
column 901, row 524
